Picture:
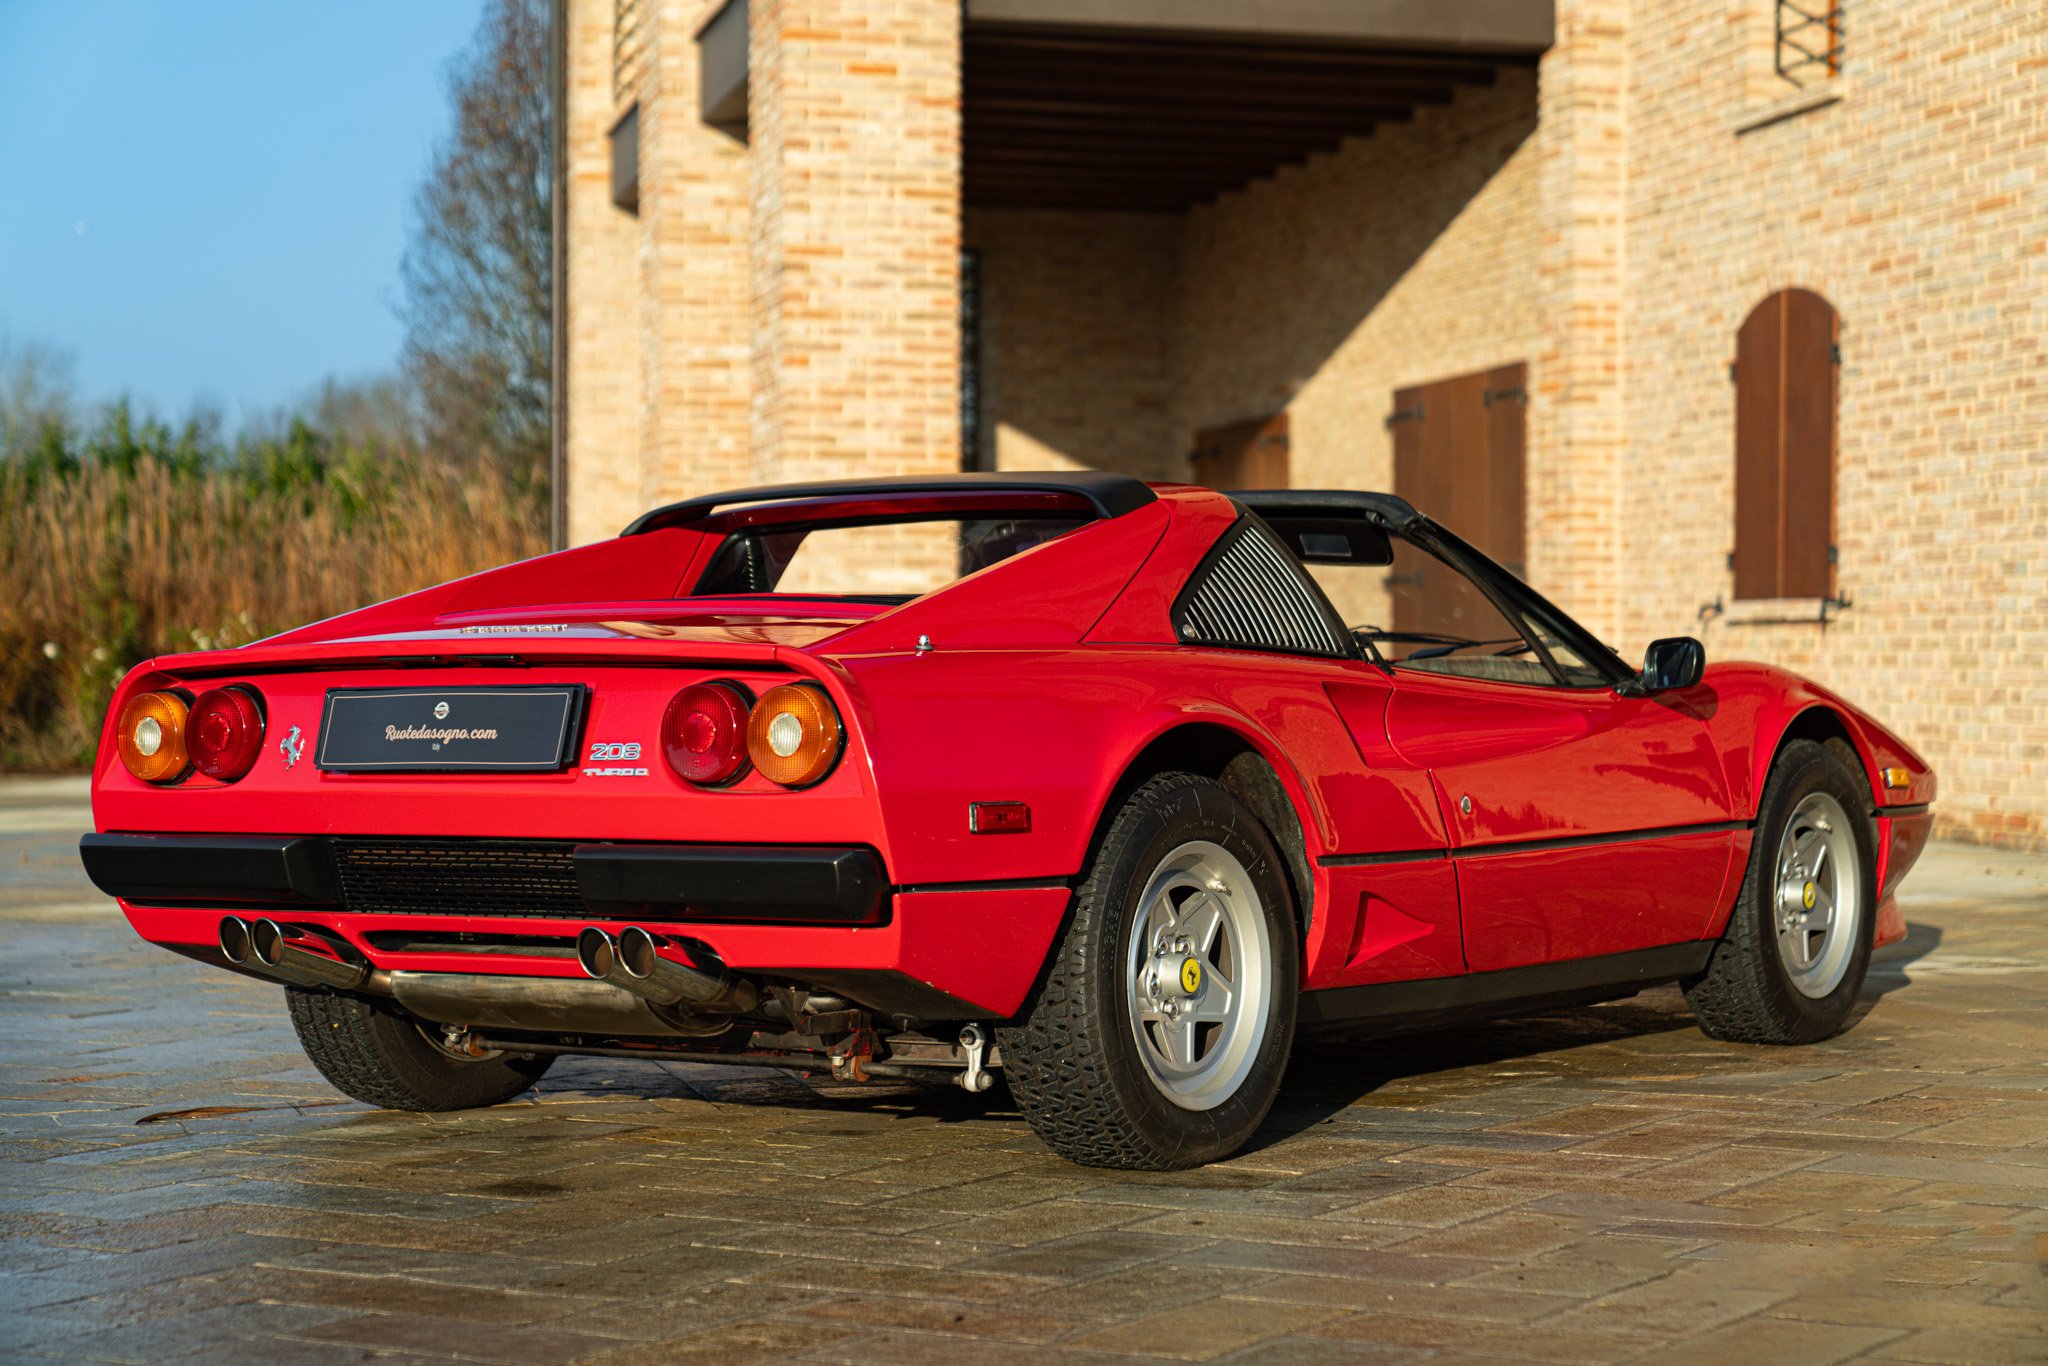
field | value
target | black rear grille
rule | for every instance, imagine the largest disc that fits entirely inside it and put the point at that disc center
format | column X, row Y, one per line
column 465, row 877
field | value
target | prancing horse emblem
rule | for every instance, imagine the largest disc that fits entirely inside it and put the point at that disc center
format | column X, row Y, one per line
column 291, row 747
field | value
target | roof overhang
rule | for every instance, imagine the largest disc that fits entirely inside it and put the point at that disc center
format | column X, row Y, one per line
column 1495, row 27
column 1159, row 105
column 1162, row 104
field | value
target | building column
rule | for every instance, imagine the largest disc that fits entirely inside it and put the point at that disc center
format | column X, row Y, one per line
column 854, row 169
column 694, row 275
column 1577, row 423
column 600, row 343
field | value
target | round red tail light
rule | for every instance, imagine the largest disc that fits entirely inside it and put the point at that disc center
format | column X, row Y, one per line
column 704, row 733
column 224, row 733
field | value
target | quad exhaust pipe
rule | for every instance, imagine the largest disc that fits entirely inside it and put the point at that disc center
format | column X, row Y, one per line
column 634, row 960
column 262, row 948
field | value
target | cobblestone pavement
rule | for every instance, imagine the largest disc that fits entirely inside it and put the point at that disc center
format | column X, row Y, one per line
column 1592, row 1186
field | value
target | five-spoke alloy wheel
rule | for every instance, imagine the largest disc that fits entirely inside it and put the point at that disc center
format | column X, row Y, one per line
column 1157, row 1038
column 1789, row 964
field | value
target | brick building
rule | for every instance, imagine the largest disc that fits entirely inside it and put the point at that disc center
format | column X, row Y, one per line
column 1714, row 317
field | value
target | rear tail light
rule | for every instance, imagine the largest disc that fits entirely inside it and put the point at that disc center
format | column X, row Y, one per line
column 794, row 736
column 224, row 733
column 704, row 733
column 150, row 736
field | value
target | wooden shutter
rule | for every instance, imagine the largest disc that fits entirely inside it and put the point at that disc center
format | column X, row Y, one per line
column 1459, row 458
column 1243, row 455
column 1785, row 404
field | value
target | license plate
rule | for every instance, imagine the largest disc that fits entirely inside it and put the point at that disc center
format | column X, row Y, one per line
column 449, row 730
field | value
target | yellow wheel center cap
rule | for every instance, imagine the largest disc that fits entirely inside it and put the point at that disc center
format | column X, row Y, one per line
column 1808, row 895
column 1191, row 975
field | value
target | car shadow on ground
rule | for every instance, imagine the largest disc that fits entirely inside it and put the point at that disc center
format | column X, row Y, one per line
column 1327, row 1075
column 1888, row 965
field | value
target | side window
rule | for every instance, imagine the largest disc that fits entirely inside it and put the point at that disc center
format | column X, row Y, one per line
column 1785, row 401
column 1438, row 620
column 1419, row 610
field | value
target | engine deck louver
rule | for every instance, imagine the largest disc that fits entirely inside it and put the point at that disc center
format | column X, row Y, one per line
column 1251, row 594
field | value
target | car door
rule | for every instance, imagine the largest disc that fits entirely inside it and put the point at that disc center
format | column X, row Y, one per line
column 1581, row 821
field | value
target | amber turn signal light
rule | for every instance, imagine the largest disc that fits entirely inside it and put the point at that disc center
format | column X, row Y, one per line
column 794, row 736
column 150, row 736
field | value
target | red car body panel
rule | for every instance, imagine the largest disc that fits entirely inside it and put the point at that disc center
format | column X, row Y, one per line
column 1446, row 825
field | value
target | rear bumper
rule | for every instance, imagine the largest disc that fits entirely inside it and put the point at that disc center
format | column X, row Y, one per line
column 823, row 916
column 783, row 884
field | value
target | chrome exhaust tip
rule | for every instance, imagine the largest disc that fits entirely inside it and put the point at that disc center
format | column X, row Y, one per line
column 234, row 940
column 276, row 958
column 646, row 972
column 597, row 953
column 634, row 960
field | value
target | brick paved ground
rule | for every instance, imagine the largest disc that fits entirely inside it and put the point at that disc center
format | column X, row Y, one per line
column 1595, row 1186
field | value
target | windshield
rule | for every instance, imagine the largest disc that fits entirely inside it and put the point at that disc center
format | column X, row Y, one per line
column 890, row 561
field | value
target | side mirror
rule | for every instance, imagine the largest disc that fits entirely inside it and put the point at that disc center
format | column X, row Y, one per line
column 1673, row 662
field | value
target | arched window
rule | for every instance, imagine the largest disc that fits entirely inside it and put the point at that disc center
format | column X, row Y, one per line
column 1786, row 359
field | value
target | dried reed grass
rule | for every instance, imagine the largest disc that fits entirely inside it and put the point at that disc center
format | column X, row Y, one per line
column 102, row 567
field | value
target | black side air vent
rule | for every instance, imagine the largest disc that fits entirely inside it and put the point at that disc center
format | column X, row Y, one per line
column 1251, row 594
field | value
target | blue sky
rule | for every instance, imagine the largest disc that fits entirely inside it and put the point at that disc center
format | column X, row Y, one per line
column 208, row 201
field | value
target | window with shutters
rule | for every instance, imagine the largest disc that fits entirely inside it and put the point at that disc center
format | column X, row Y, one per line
column 1787, row 358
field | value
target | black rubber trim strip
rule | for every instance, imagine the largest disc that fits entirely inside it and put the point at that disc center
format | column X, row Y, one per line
column 801, row 884
column 1911, row 809
column 1618, row 837
column 1111, row 495
column 289, row 869
column 1436, row 1000
column 1361, row 860
column 1534, row 846
column 1013, row 884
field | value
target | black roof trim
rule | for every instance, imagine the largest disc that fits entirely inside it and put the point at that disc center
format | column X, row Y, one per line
column 1112, row 495
column 1383, row 508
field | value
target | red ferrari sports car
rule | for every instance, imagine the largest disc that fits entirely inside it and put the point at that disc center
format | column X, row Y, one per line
column 1113, row 787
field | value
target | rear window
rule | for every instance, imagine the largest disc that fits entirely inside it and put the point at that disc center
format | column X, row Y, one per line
column 889, row 561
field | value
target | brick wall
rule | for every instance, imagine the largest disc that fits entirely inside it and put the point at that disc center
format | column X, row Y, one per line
column 695, row 277
column 1074, row 340
column 1916, row 205
column 1399, row 259
column 854, row 159
column 602, row 305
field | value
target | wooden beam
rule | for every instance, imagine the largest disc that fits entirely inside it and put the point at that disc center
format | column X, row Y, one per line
column 1053, row 44
column 1107, row 107
column 1219, row 67
column 1143, row 89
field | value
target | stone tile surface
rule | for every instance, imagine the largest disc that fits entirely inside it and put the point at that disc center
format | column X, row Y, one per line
column 1588, row 1186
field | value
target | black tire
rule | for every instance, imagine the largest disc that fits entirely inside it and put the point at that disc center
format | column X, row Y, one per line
column 1746, row 994
column 375, row 1053
column 1072, row 1061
